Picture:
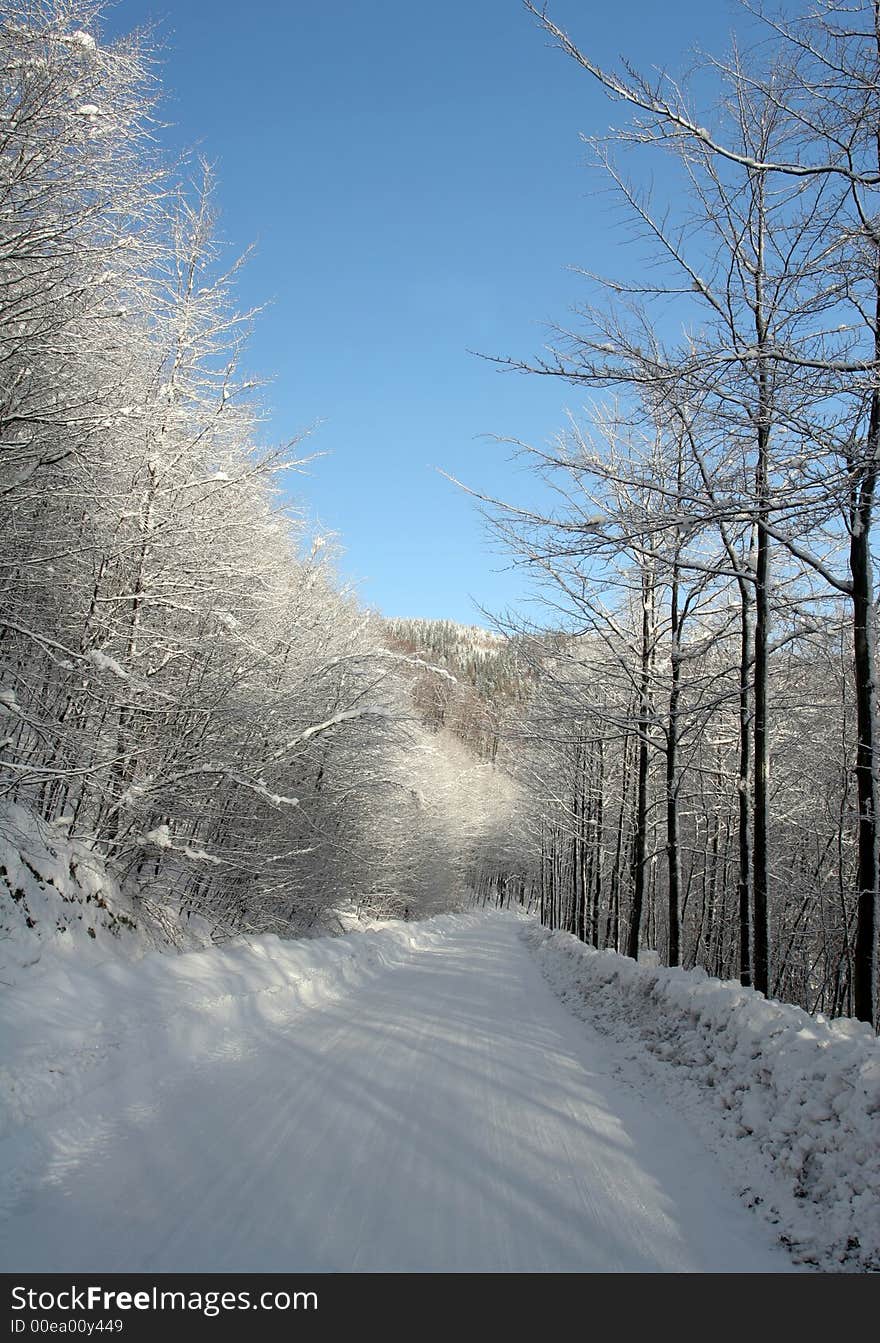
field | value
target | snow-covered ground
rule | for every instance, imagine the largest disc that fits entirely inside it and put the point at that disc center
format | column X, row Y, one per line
column 75, row 1027
column 415, row 1098
column 61, row 906
column 789, row 1102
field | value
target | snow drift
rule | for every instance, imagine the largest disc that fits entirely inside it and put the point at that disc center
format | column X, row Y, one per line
column 771, row 1088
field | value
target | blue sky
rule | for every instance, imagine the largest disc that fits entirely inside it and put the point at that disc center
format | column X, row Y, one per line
column 412, row 176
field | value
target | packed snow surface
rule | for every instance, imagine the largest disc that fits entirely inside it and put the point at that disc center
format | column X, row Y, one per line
column 790, row 1102
column 413, row 1098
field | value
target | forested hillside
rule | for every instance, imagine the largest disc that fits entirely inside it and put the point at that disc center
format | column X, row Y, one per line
column 487, row 675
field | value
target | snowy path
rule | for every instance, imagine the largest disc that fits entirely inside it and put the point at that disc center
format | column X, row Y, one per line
column 450, row 1116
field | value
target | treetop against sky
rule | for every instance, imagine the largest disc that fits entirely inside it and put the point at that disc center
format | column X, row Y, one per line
column 415, row 186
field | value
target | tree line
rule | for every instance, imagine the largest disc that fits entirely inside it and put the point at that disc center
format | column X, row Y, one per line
column 704, row 743
column 184, row 682
column 683, row 758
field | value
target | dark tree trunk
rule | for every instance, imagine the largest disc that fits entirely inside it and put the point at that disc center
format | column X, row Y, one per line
column 672, row 845
column 641, row 830
column 744, row 878
column 864, row 960
column 762, row 622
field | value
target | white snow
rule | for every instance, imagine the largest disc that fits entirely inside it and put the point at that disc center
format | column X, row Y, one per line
column 8, row 702
column 82, row 40
column 414, row 1098
column 201, row 855
column 60, row 908
column 57, row 903
column 103, row 662
column 790, row 1102
column 417, row 662
column 160, row 837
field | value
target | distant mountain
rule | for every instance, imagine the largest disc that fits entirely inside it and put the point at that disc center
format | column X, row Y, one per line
column 490, row 675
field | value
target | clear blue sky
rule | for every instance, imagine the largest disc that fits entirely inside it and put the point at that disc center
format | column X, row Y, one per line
column 412, row 176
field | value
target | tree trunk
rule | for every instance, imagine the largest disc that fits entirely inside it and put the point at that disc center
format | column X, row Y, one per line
column 744, row 878
column 672, row 846
column 762, row 621
column 640, row 837
column 866, row 719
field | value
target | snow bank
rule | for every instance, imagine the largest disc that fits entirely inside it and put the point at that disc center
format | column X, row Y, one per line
column 73, row 1029
column 771, row 1088
column 56, row 896
column 60, row 904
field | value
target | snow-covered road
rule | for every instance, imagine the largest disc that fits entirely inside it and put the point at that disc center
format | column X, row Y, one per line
column 448, row 1115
